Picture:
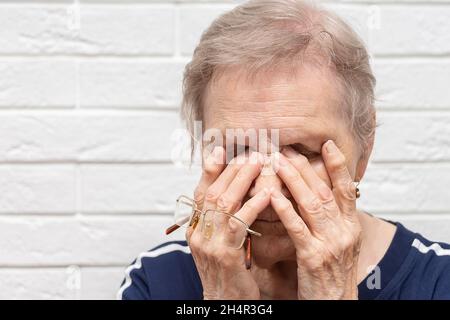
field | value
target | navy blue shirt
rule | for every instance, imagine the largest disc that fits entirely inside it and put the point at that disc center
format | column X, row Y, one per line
column 412, row 268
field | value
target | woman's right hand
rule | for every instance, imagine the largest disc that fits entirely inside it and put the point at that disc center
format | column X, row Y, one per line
column 223, row 187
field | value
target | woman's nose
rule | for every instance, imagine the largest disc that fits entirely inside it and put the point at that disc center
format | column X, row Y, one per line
column 267, row 179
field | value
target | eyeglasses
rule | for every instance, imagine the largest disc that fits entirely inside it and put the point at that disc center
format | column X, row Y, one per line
column 188, row 215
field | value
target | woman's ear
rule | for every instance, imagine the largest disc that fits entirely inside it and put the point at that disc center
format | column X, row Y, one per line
column 363, row 160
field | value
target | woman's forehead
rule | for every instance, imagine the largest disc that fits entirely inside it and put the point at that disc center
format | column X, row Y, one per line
column 274, row 101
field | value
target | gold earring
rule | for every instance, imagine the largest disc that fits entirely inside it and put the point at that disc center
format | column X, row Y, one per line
column 358, row 194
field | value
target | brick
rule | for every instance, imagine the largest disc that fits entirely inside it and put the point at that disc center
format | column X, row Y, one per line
column 101, row 283
column 69, row 282
column 37, row 189
column 83, row 241
column 34, row 284
column 137, row 137
column 125, row 29
column 412, row 83
column 405, row 188
column 130, row 83
column 411, row 30
column 35, row 29
column 90, row 29
column 412, row 136
column 37, row 83
column 87, row 136
column 134, row 188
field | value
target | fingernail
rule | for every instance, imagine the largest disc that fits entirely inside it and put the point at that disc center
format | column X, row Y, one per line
column 289, row 152
column 330, row 146
column 282, row 160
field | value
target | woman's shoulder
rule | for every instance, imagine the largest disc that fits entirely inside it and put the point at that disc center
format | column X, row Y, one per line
column 435, row 255
column 164, row 272
column 432, row 253
column 426, row 271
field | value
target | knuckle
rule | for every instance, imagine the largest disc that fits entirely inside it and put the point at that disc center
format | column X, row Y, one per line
column 298, row 229
column 338, row 162
column 199, row 195
column 347, row 189
column 225, row 203
column 211, row 194
column 234, row 226
column 292, row 177
column 325, row 194
column 314, row 205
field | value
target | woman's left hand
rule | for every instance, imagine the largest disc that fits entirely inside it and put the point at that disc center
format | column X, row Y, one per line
column 327, row 233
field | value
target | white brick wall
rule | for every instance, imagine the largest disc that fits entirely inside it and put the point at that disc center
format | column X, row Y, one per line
column 86, row 116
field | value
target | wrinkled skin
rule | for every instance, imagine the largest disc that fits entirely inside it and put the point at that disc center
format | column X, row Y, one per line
column 315, row 243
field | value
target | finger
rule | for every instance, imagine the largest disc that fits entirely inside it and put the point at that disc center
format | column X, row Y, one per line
column 316, row 184
column 344, row 188
column 294, row 224
column 310, row 206
column 222, row 182
column 231, row 199
column 211, row 220
column 253, row 206
column 212, row 168
column 236, row 231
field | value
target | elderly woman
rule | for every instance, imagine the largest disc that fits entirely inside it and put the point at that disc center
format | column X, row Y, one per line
column 280, row 221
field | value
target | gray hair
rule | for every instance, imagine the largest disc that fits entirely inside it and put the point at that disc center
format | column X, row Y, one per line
column 263, row 34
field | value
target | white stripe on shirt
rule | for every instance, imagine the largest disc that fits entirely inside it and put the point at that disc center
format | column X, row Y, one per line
column 434, row 246
column 149, row 254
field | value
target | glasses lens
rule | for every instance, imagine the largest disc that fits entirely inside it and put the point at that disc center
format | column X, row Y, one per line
column 183, row 212
column 227, row 226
